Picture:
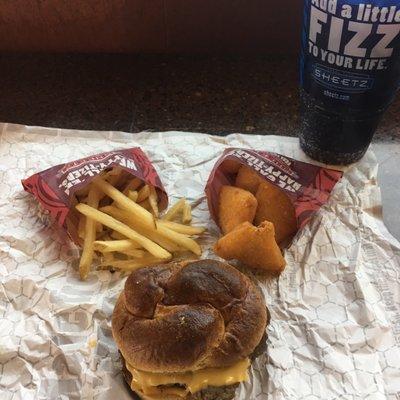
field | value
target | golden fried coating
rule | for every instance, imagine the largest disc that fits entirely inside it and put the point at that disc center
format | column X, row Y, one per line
column 230, row 167
column 235, row 206
column 254, row 247
column 275, row 206
column 248, row 179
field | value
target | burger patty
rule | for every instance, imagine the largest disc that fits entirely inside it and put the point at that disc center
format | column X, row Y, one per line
column 215, row 393
column 210, row 393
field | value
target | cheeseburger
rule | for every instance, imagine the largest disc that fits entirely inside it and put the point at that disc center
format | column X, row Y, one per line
column 188, row 331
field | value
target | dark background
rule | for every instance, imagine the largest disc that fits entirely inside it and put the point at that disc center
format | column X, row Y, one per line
column 215, row 94
column 221, row 66
column 150, row 26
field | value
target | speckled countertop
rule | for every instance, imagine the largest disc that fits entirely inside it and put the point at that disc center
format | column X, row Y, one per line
column 131, row 93
column 217, row 95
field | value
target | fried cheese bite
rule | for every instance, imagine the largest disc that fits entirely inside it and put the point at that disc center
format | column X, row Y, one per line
column 235, row 206
column 254, row 246
column 275, row 206
column 248, row 179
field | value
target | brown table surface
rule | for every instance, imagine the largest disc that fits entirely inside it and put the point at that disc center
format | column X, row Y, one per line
column 218, row 95
column 134, row 93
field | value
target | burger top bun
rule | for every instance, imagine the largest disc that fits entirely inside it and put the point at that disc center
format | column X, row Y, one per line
column 187, row 316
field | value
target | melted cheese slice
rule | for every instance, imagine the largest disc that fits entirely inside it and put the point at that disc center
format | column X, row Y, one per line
column 148, row 382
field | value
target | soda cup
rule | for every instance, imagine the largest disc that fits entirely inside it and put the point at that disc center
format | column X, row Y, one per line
column 349, row 74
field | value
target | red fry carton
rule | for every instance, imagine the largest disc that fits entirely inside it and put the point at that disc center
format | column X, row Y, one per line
column 308, row 186
column 55, row 187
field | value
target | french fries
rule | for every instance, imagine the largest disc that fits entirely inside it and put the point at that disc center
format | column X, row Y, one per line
column 186, row 213
column 133, row 195
column 145, row 204
column 175, row 210
column 131, row 265
column 90, row 235
column 110, row 222
column 133, row 185
column 153, row 234
column 160, row 230
column 185, row 229
column 124, row 202
column 135, row 253
column 120, row 226
column 81, row 227
column 143, row 193
column 117, row 236
column 153, row 201
column 109, row 246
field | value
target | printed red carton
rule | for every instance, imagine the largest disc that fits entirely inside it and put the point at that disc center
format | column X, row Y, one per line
column 308, row 186
column 55, row 187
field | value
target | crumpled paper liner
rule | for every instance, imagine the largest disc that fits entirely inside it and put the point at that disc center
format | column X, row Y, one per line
column 335, row 329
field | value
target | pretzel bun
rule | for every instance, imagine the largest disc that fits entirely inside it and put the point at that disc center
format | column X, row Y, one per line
column 188, row 316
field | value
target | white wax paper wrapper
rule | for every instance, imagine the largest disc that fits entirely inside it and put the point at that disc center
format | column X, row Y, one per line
column 335, row 328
